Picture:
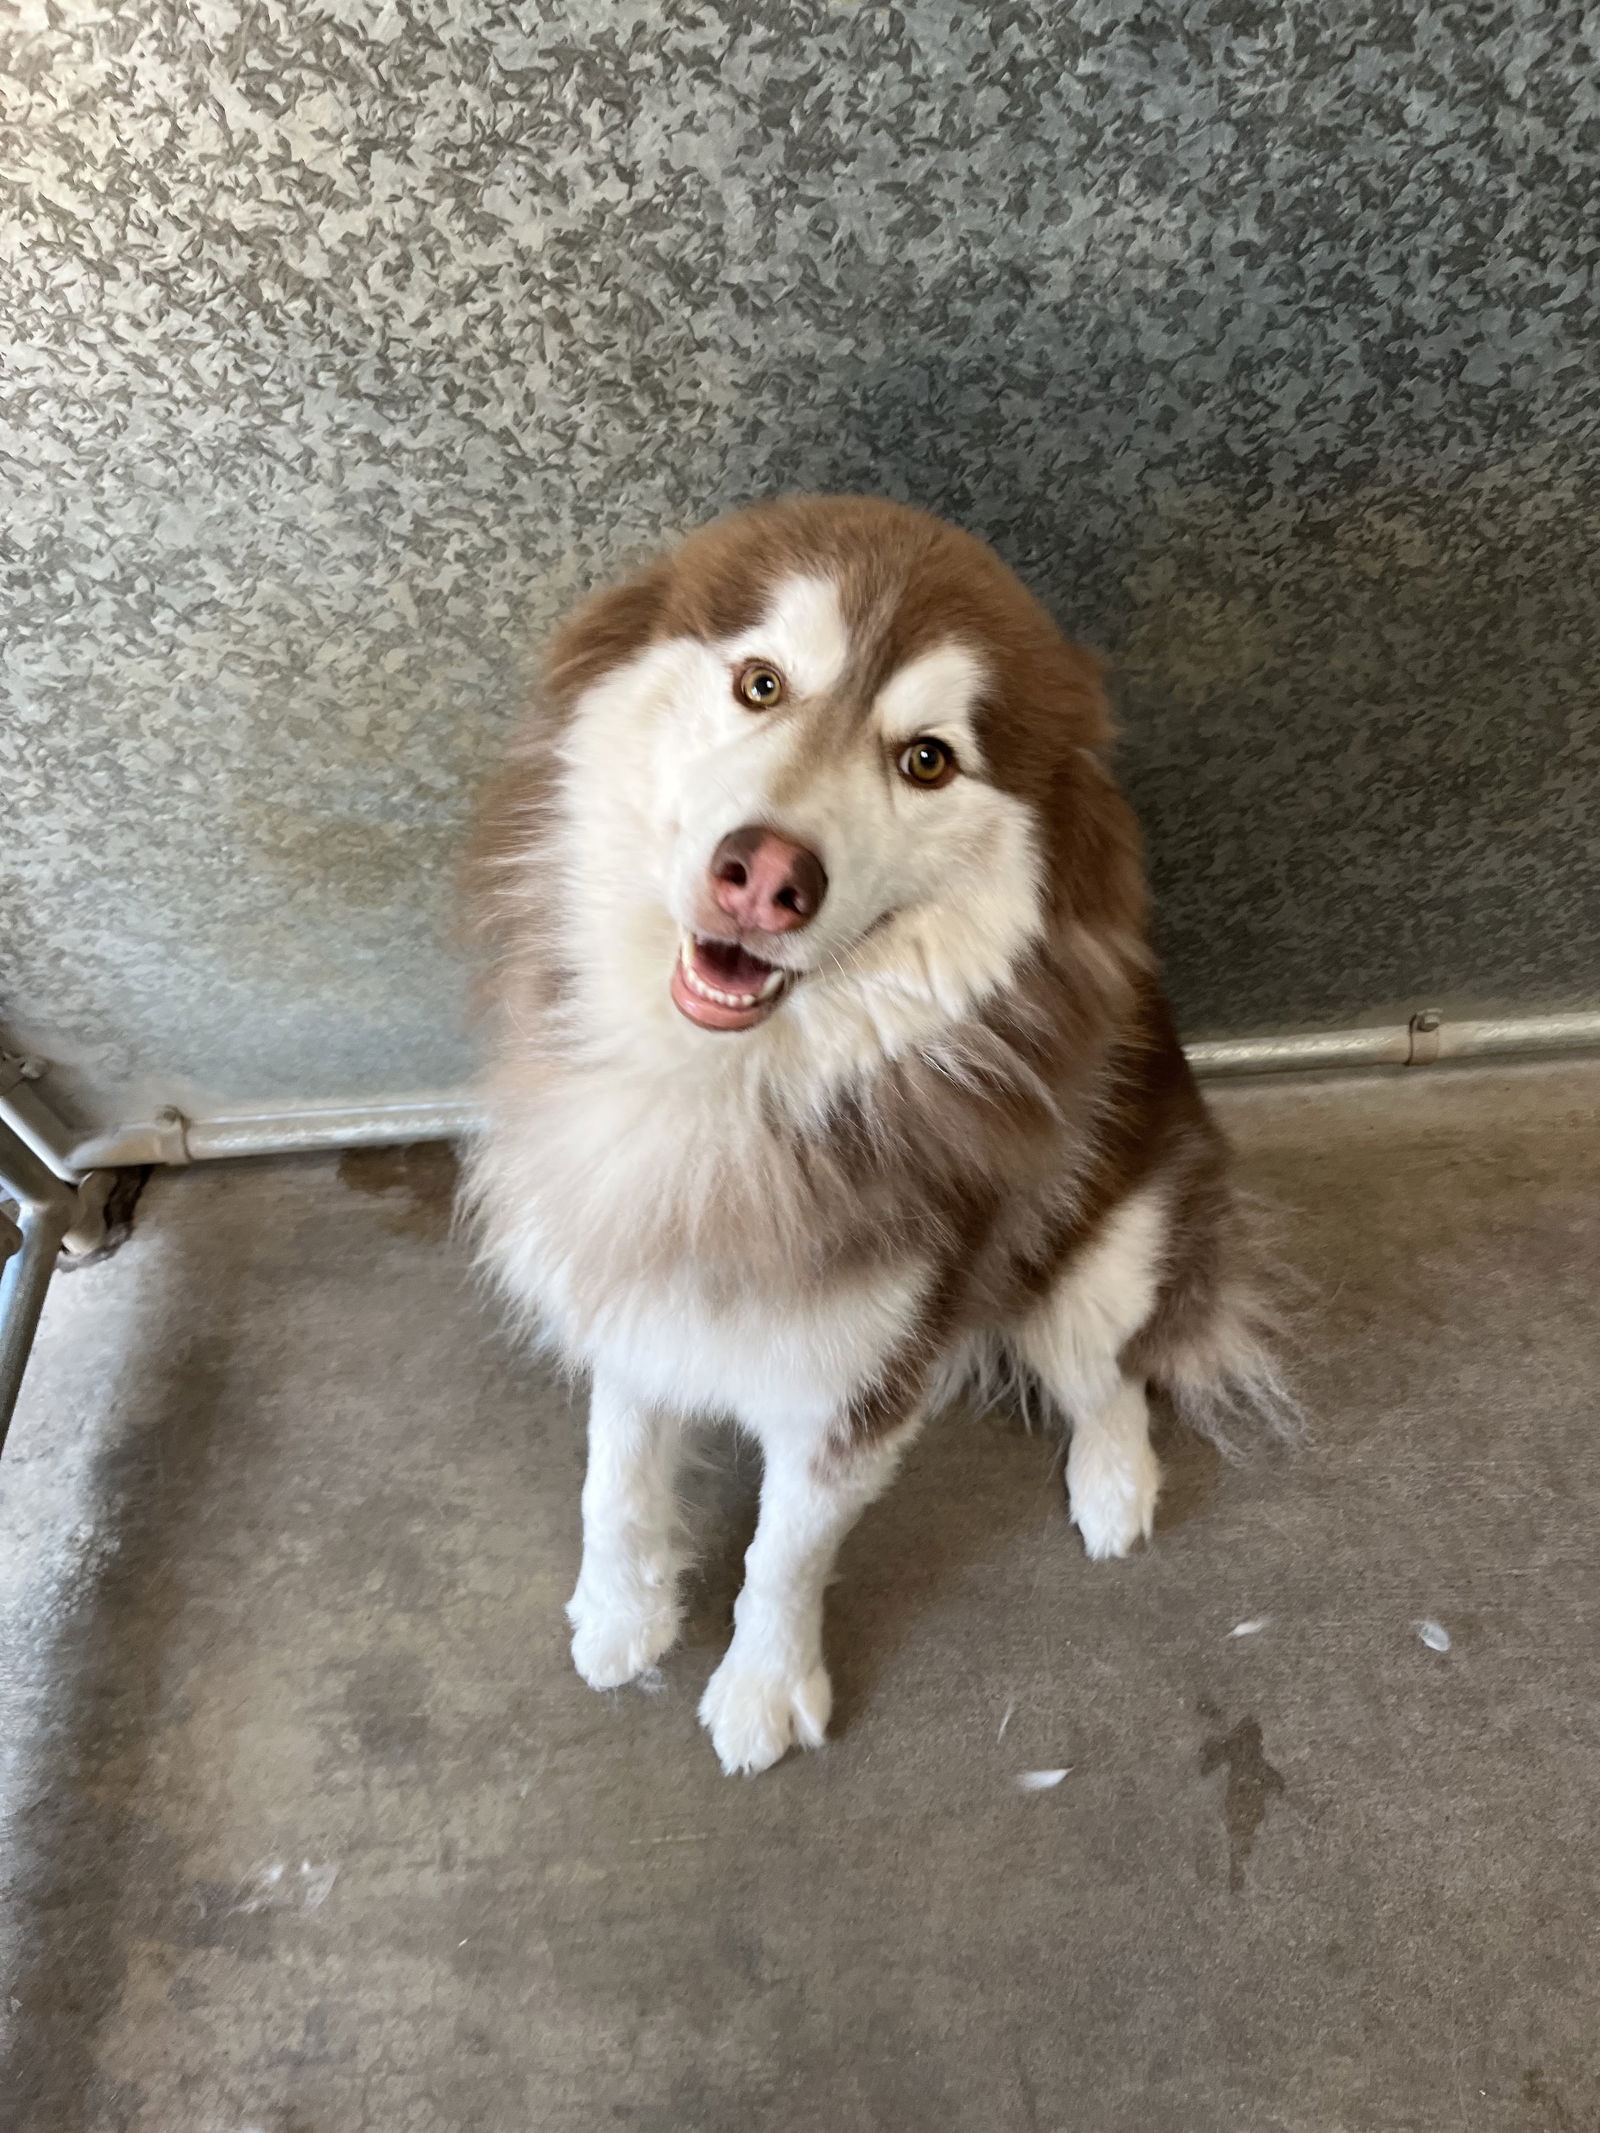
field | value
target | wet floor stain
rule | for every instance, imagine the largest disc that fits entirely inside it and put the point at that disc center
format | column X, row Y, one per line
column 1251, row 1784
column 1553, row 2113
column 417, row 1184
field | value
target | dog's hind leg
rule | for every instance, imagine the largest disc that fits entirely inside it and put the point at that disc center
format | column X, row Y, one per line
column 625, row 1611
column 1073, row 1343
column 771, row 1691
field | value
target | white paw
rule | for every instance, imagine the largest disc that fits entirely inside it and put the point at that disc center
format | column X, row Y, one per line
column 615, row 1640
column 754, row 1713
column 1112, row 1491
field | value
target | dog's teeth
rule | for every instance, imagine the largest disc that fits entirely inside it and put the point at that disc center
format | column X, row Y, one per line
column 723, row 999
column 769, row 989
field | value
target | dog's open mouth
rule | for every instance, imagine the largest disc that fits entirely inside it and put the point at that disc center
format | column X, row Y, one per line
column 722, row 986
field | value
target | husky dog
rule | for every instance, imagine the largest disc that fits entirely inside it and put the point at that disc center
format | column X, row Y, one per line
column 831, row 1069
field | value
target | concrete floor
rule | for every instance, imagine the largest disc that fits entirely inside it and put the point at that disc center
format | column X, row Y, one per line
column 306, row 1826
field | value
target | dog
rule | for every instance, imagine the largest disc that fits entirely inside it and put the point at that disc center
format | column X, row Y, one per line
column 830, row 1070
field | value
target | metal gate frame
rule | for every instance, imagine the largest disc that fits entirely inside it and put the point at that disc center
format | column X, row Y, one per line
column 47, row 1208
column 60, row 1182
column 55, row 1205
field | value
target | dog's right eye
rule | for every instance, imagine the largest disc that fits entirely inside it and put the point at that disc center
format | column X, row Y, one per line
column 758, row 685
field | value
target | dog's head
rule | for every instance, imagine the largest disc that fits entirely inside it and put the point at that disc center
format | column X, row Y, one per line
column 828, row 763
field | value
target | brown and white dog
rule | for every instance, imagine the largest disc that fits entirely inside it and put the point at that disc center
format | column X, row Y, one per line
column 831, row 1070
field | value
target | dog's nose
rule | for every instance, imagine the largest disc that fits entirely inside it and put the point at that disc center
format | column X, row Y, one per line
column 766, row 883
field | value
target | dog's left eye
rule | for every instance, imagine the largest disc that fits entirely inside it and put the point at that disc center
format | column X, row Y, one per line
column 758, row 685
column 928, row 762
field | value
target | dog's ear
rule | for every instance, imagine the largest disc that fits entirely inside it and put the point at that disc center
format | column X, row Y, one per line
column 1095, row 856
column 607, row 630
column 1083, row 684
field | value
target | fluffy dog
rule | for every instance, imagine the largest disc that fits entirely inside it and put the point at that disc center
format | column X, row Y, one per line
column 831, row 1069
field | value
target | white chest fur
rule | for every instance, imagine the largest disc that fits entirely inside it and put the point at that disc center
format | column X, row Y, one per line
column 658, row 1231
column 769, row 1362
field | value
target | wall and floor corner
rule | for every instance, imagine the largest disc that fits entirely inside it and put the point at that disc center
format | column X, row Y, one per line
column 344, row 345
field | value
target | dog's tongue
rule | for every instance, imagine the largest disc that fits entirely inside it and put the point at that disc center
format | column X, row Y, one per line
column 729, row 968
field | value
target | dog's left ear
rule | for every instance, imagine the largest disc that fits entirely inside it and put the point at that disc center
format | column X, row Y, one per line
column 1097, row 855
column 1083, row 683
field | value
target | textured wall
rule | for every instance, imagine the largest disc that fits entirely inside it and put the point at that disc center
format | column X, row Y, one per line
column 345, row 339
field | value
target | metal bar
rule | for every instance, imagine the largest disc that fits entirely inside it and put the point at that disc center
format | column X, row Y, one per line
column 1513, row 1035
column 31, row 1119
column 1314, row 1052
column 1502, row 1037
column 290, row 1129
column 357, row 1126
column 24, row 1277
column 47, row 1208
column 28, row 1179
column 294, row 1129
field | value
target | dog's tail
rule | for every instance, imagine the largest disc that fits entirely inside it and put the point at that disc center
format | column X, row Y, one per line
column 1225, row 1360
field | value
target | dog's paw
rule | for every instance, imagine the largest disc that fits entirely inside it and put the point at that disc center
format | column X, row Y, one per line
column 754, row 1714
column 1112, row 1492
column 614, row 1641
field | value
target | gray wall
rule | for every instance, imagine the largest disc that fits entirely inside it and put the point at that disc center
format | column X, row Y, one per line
column 347, row 340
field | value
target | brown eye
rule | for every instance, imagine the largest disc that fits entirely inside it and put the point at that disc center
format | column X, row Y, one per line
column 758, row 685
column 928, row 762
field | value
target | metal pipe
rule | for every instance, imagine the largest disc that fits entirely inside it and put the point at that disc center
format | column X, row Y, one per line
column 31, row 1120
column 289, row 1129
column 46, row 1208
column 295, row 1129
column 24, row 1277
column 1514, row 1035
column 1313, row 1053
column 353, row 1126
column 1499, row 1037
column 29, row 1180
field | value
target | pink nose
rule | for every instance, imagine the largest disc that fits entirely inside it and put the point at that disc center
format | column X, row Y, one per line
column 766, row 883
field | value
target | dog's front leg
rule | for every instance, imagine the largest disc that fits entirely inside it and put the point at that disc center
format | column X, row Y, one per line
column 772, row 1690
column 625, row 1612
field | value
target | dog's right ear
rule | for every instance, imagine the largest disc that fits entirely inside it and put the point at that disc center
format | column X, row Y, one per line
column 608, row 629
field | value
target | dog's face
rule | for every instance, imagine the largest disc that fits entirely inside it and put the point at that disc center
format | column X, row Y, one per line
column 828, row 755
